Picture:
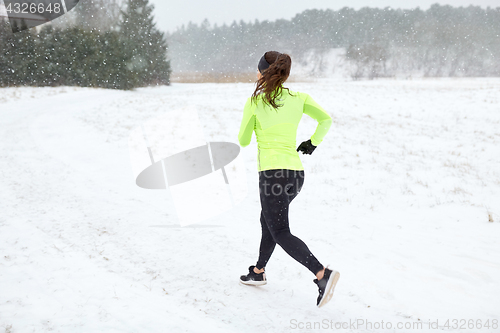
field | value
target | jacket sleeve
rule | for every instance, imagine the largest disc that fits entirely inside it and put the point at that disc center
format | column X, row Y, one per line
column 315, row 111
column 247, row 124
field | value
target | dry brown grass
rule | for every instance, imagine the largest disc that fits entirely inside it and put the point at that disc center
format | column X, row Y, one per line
column 213, row 77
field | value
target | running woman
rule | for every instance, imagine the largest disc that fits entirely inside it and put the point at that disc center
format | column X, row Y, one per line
column 274, row 116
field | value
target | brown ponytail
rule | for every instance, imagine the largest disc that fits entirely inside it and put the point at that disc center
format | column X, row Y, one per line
column 272, row 79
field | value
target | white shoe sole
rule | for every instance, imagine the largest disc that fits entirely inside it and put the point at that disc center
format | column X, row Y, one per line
column 330, row 287
column 253, row 283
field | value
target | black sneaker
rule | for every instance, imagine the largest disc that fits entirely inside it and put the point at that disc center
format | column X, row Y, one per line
column 326, row 286
column 253, row 279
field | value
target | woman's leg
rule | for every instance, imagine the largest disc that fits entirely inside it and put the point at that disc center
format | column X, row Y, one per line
column 277, row 189
column 267, row 244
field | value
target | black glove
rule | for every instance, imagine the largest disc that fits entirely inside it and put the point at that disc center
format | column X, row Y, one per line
column 306, row 147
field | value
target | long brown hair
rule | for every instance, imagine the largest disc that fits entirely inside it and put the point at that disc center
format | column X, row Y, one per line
column 271, row 82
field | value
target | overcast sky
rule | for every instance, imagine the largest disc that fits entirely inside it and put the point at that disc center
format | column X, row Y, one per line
column 172, row 14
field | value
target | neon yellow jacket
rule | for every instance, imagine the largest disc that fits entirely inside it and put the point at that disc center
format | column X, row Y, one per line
column 276, row 130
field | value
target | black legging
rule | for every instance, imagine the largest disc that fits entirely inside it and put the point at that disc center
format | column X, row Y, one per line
column 278, row 187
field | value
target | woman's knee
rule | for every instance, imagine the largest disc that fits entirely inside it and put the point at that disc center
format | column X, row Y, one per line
column 281, row 235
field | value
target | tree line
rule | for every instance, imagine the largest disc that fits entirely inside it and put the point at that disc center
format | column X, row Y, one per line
column 439, row 41
column 102, row 43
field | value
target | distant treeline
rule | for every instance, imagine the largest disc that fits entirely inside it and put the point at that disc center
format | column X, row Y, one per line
column 440, row 41
column 121, row 50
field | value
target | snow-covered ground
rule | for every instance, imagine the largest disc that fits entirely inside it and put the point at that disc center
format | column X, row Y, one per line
column 402, row 197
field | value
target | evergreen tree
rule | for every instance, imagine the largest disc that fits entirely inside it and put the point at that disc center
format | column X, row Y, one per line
column 73, row 57
column 19, row 57
column 5, row 54
column 149, row 47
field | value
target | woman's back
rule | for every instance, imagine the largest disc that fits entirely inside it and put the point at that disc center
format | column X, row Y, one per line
column 276, row 129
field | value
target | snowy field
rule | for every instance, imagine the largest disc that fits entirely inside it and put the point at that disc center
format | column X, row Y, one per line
column 402, row 197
